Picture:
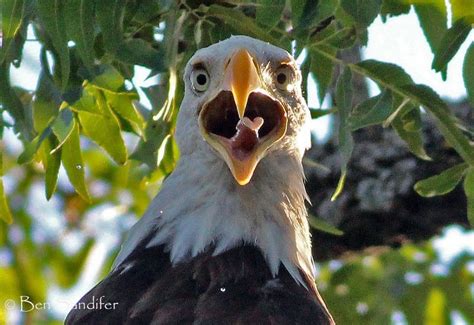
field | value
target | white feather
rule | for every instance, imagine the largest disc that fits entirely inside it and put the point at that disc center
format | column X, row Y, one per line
column 200, row 205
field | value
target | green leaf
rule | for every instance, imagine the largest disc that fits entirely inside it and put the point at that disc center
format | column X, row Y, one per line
column 71, row 157
column 110, row 17
column 5, row 213
column 309, row 14
column 342, row 38
column 323, row 225
column 62, row 127
column 320, row 112
column 304, row 14
column 87, row 101
column 139, row 52
column 322, row 69
column 240, row 22
column 406, row 126
column 45, row 104
column 12, row 16
column 325, row 9
column 13, row 105
column 468, row 73
column 297, row 9
column 313, row 164
column 104, row 129
column 469, row 191
column 12, row 13
column 394, row 78
column 333, row 37
column 51, row 14
column 51, row 165
column 160, row 122
column 32, row 147
column 372, row 111
column 340, row 186
column 462, row 8
column 394, row 8
column 269, row 12
column 109, row 78
column 388, row 73
column 412, row 120
column 363, row 11
column 100, row 124
column 175, row 22
column 110, row 14
column 79, row 15
column 450, row 43
column 122, row 104
column 442, row 183
column 433, row 21
column 344, row 105
column 445, row 120
column 12, row 50
column 147, row 150
column 158, row 126
column 149, row 11
column 198, row 33
column 435, row 309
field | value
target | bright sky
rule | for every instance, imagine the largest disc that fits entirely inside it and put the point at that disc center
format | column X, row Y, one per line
column 401, row 41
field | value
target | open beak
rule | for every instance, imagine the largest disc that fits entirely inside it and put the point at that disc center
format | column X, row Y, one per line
column 241, row 122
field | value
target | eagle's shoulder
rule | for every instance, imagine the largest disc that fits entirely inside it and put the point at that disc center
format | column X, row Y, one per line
column 233, row 287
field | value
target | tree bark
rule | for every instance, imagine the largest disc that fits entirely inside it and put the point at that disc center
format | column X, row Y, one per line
column 379, row 205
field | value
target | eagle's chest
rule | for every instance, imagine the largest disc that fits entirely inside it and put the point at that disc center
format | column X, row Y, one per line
column 205, row 287
column 233, row 287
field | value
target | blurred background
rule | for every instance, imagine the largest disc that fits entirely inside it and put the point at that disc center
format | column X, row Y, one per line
column 385, row 255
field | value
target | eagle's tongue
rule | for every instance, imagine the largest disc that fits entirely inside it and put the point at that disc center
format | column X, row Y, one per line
column 246, row 138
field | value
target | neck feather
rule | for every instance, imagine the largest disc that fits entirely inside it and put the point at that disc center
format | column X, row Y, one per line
column 199, row 207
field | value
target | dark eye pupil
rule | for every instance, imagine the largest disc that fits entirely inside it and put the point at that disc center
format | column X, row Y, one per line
column 201, row 79
column 281, row 78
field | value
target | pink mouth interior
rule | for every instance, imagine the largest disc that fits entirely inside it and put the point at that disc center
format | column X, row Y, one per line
column 262, row 117
column 246, row 137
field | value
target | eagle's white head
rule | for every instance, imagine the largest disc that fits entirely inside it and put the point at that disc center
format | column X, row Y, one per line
column 242, row 131
column 243, row 97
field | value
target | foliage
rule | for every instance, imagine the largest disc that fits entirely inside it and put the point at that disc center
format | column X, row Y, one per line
column 381, row 284
column 85, row 95
column 95, row 44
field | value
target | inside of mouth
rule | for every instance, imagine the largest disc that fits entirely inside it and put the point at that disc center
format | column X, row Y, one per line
column 222, row 118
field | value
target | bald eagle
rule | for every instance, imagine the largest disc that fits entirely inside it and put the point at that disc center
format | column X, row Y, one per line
column 226, row 240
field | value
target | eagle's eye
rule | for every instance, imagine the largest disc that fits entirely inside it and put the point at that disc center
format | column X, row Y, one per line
column 283, row 77
column 200, row 79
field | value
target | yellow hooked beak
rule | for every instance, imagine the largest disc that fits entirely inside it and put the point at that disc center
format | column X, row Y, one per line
column 241, row 78
column 242, row 121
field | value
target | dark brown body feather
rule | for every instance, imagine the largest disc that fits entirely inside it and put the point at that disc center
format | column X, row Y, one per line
column 235, row 287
